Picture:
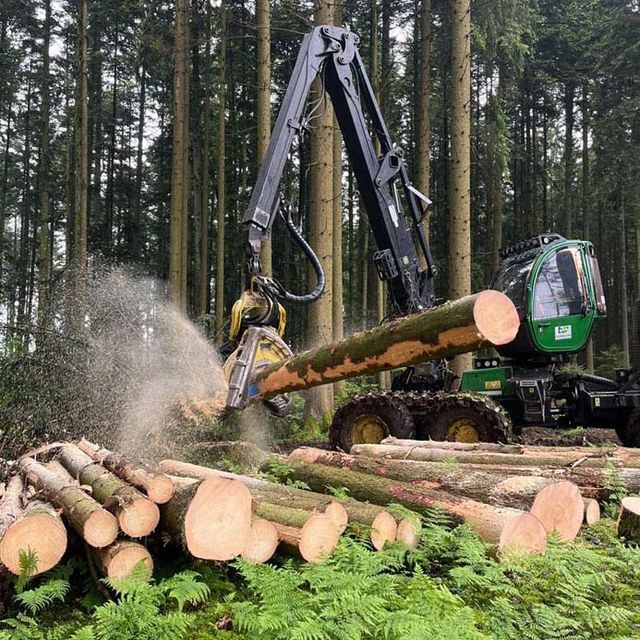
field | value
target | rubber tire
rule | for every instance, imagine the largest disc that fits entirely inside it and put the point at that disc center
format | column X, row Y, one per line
column 394, row 412
column 439, row 428
column 630, row 434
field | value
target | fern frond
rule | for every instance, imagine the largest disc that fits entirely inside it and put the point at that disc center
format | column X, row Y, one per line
column 43, row 596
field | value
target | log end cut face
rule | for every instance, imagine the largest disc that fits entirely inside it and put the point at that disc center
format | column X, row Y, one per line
column 261, row 542
column 384, row 528
column 130, row 559
column 139, row 518
column 218, row 520
column 524, row 534
column 560, row 508
column 318, row 538
column 100, row 529
column 160, row 489
column 496, row 317
column 39, row 534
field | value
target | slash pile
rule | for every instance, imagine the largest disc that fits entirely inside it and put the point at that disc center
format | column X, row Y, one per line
column 512, row 496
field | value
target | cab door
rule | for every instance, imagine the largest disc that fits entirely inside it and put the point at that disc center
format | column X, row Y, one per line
column 562, row 305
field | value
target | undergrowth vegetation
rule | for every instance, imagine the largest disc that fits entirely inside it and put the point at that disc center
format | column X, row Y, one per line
column 449, row 588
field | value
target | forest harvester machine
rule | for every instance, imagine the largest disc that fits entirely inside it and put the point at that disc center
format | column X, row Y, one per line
column 554, row 284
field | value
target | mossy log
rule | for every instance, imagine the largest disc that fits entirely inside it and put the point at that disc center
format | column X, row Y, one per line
column 487, row 520
column 262, row 541
column 137, row 515
column 277, row 494
column 96, row 525
column 211, row 518
column 460, row 326
column 157, row 486
column 491, row 487
column 628, row 526
column 496, row 447
column 119, row 560
column 38, row 529
column 560, row 508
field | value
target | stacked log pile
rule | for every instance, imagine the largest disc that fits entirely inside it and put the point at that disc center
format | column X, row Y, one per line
column 512, row 496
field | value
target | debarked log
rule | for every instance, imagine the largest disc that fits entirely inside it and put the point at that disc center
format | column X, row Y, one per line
column 460, row 326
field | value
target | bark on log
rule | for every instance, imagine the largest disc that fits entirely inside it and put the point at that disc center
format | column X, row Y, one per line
column 523, row 534
column 97, row 526
column 11, row 505
column 628, row 525
column 493, row 488
column 157, row 486
column 277, row 494
column 37, row 529
column 560, row 508
column 488, row 521
column 460, row 326
column 211, row 519
column 425, row 454
column 119, row 560
column 495, row 447
column 262, row 541
column 137, row 515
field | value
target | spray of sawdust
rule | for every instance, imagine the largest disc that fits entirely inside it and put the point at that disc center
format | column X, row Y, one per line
column 144, row 361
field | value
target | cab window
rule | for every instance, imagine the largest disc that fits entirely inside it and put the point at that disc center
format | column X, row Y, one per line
column 559, row 286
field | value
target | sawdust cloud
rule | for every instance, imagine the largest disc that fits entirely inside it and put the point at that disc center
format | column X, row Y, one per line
column 144, row 359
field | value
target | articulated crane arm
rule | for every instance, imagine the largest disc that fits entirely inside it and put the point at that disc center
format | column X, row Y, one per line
column 331, row 53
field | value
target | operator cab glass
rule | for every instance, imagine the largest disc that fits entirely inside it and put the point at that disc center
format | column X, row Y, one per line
column 557, row 291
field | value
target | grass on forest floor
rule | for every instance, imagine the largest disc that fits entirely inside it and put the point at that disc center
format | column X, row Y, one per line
column 450, row 587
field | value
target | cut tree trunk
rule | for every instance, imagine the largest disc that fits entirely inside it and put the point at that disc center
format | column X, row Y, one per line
column 490, row 487
column 211, row 518
column 488, row 521
column 338, row 514
column 277, row 494
column 560, row 508
column 524, row 534
column 38, row 529
column 11, row 505
column 384, row 528
column 454, row 446
column 262, row 541
column 629, row 520
column 137, row 515
column 553, row 458
column 98, row 527
column 119, row 560
column 486, row 318
column 158, row 487
column 409, row 531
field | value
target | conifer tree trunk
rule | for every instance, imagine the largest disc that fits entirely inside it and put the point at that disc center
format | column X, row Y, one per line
column 568, row 157
column 202, row 277
column 319, row 327
column 624, row 296
column 424, row 107
column 263, row 114
column 460, row 178
column 44, row 265
column 220, row 232
column 586, row 199
column 81, row 180
column 179, row 176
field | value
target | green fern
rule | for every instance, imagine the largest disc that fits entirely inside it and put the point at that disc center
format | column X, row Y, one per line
column 42, row 597
column 185, row 588
column 28, row 563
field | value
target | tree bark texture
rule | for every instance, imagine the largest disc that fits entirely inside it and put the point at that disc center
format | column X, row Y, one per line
column 137, row 515
column 96, row 525
column 488, row 317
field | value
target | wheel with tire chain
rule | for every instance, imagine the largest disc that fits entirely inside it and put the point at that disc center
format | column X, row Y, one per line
column 368, row 419
column 469, row 419
column 630, row 433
